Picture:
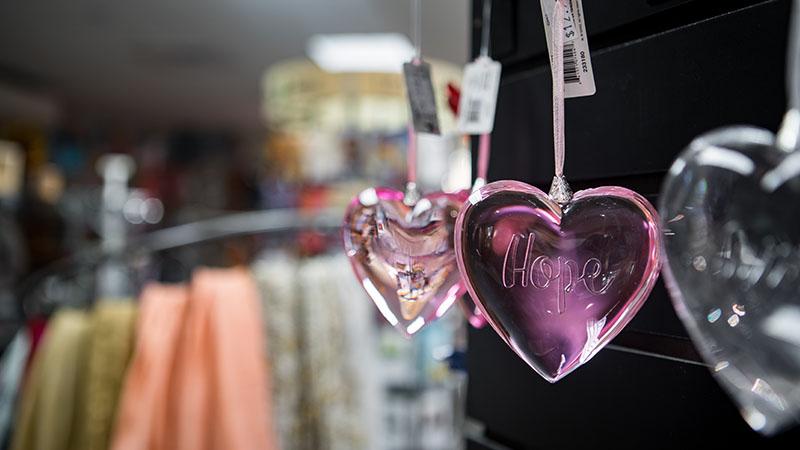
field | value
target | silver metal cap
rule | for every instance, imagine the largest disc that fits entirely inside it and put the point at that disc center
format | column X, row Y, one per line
column 560, row 190
column 412, row 195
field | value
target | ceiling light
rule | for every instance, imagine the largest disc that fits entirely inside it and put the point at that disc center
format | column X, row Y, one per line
column 377, row 52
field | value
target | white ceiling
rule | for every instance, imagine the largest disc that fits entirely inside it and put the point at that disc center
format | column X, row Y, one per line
column 190, row 61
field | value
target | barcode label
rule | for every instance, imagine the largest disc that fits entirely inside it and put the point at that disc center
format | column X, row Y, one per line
column 570, row 64
column 478, row 101
column 421, row 97
column 474, row 111
column 578, row 73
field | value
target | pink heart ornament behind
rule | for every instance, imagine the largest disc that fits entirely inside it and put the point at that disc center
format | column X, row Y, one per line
column 557, row 284
column 403, row 255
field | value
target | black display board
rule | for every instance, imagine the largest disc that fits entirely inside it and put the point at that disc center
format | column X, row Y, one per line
column 666, row 71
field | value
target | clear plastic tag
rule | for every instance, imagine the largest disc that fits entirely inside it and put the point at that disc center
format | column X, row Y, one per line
column 578, row 73
column 478, row 100
column 421, row 97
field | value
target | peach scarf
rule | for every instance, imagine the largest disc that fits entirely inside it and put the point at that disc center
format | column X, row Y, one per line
column 205, row 385
column 141, row 418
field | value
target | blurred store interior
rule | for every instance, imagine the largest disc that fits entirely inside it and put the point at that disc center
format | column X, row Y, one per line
column 233, row 225
column 118, row 119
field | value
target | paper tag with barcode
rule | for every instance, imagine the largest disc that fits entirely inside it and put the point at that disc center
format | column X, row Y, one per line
column 578, row 73
column 421, row 98
column 478, row 96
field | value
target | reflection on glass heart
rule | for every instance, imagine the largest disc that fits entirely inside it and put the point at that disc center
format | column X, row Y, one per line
column 472, row 312
column 403, row 255
column 557, row 284
column 732, row 242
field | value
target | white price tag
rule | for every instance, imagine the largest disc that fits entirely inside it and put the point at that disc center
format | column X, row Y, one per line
column 578, row 73
column 421, row 98
column 478, row 100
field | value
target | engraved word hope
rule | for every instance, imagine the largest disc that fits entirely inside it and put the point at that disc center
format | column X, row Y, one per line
column 543, row 270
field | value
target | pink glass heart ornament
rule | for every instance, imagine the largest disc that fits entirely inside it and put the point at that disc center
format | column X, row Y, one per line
column 557, row 283
column 730, row 207
column 403, row 254
column 472, row 312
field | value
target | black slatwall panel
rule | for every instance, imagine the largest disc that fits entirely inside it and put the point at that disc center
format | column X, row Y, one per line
column 666, row 71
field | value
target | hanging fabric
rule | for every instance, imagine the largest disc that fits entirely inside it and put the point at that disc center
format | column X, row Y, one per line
column 142, row 415
column 276, row 275
column 110, row 347
column 322, row 337
column 331, row 418
column 36, row 327
column 360, row 353
column 52, row 394
column 12, row 369
column 219, row 397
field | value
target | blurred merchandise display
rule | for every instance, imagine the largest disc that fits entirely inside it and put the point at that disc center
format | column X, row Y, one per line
column 114, row 330
column 335, row 377
column 316, row 225
column 149, row 374
column 299, row 95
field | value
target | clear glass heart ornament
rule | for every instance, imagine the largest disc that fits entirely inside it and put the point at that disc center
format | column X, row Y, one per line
column 730, row 207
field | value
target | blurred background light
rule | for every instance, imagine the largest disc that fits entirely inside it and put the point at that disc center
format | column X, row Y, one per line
column 366, row 52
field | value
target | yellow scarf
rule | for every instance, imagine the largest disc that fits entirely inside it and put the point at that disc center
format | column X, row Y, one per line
column 112, row 339
column 46, row 415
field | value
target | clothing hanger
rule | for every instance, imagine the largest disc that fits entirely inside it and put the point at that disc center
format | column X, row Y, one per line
column 134, row 251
